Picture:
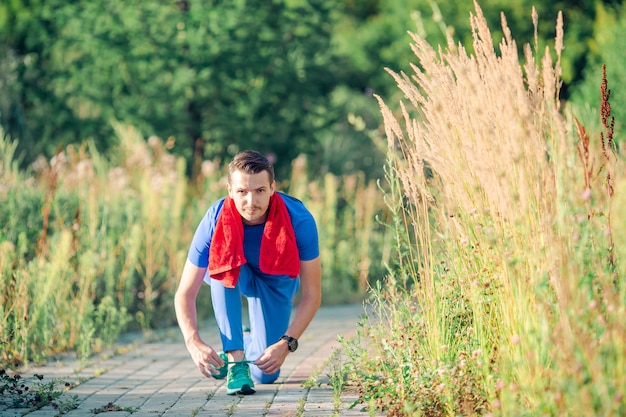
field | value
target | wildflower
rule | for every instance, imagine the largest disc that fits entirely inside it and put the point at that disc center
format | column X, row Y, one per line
column 496, row 404
column 500, row 384
column 586, row 195
column 154, row 142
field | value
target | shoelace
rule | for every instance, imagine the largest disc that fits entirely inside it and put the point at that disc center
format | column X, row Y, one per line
column 239, row 370
column 236, row 362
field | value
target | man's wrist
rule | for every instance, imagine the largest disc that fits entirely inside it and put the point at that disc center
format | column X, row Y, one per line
column 292, row 342
column 192, row 339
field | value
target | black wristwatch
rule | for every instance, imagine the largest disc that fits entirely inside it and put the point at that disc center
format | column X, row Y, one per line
column 292, row 342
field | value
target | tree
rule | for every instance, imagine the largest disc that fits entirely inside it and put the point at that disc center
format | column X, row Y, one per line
column 216, row 76
column 16, row 57
column 282, row 76
column 372, row 34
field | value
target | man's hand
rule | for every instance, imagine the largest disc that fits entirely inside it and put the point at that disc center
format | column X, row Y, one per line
column 205, row 358
column 202, row 354
column 273, row 357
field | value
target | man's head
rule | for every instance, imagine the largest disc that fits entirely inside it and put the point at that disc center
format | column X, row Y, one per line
column 250, row 162
column 250, row 185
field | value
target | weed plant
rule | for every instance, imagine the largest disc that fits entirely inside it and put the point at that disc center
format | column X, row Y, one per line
column 34, row 393
column 92, row 245
column 507, row 296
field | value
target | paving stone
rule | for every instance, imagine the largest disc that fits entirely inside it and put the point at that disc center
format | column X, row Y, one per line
column 159, row 379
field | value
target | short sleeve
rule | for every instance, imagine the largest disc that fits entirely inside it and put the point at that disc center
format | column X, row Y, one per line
column 199, row 248
column 304, row 227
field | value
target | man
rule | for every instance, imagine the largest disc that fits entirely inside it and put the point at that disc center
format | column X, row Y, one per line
column 260, row 244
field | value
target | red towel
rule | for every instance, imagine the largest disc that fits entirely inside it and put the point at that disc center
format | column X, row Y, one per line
column 279, row 250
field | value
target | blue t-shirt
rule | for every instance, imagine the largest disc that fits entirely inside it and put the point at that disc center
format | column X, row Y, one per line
column 302, row 221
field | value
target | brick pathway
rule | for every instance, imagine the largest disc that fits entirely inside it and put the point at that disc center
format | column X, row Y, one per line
column 160, row 379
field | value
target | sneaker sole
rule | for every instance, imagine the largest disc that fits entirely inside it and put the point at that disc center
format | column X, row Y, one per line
column 244, row 390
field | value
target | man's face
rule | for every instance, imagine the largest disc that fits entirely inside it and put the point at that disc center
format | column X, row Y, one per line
column 251, row 194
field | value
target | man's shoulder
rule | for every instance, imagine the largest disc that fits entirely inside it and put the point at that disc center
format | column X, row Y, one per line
column 289, row 198
column 304, row 226
column 214, row 209
column 298, row 212
column 293, row 204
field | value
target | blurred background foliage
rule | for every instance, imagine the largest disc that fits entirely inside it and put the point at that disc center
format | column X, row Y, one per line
column 286, row 77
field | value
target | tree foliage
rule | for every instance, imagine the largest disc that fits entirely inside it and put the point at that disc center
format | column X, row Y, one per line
column 372, row 34
column 283, row 76
column 215, row 76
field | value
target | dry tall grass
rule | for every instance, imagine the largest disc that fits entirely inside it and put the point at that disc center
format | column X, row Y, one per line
column 510, row 297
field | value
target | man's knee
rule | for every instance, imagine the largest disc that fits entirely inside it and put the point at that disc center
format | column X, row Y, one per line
column 261, row 378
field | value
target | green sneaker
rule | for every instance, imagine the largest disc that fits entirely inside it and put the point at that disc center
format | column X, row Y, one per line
column 239, row 380
column 223, row 371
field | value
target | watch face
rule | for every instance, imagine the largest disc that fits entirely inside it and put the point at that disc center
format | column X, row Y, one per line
column 292, row 343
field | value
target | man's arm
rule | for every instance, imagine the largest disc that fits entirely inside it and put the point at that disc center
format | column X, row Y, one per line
column 311, row 285
column 185, row 304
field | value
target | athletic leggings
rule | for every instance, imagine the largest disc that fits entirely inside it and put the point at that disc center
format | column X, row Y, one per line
column 270, row 301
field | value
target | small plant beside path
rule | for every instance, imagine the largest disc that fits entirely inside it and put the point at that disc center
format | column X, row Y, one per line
column 34, row 393
column 110, row 407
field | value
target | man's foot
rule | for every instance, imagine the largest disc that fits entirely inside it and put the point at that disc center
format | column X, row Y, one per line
column 239, row 379
column 223, row 371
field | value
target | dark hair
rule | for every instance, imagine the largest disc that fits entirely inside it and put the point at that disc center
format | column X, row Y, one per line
column 250, row 162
